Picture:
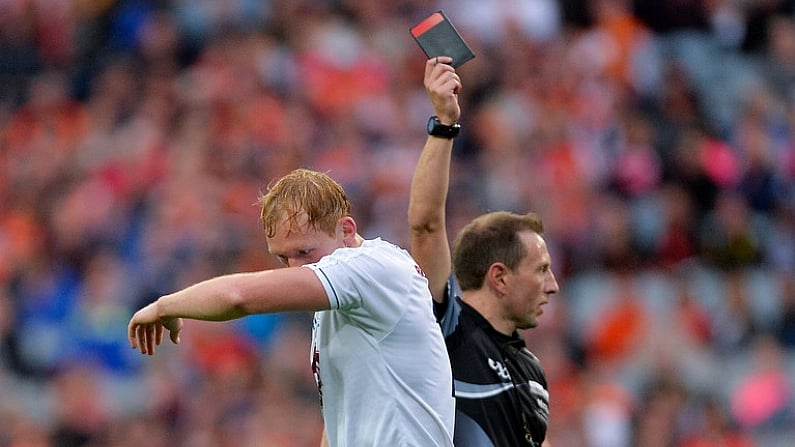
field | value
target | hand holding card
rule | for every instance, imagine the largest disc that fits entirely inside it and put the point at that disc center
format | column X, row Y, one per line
column 437, row 36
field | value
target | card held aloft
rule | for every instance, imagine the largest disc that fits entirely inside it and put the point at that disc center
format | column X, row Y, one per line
column 437, row 36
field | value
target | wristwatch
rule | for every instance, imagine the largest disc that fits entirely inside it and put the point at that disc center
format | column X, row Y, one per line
column 437, row 129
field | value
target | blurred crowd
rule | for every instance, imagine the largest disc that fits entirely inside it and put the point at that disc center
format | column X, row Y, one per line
column 656, row 138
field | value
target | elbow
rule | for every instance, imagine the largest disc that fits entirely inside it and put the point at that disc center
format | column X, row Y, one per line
column 416, row 219
column 422, row 222
column 424, row 230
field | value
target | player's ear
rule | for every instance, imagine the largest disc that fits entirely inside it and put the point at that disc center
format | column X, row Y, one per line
column 348, row 226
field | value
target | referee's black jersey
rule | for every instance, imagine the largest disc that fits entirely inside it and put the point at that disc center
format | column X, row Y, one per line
column 500, row 388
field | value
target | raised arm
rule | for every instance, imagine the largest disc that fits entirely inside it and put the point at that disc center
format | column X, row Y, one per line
column 426, row 216
column 225, row 298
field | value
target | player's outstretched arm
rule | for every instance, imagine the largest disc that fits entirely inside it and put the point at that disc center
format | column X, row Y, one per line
column 224, row 298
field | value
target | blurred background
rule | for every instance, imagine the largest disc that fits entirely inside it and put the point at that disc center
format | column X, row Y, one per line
column 656, row 138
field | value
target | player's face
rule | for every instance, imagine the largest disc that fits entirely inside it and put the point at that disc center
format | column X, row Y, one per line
column 532, row 283
column 303, row 244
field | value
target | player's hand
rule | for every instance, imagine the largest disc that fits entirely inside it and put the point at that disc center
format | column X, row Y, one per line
column 443, row 85
column 146, row 329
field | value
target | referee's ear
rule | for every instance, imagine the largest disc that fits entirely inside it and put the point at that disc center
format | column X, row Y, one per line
column 497, row 279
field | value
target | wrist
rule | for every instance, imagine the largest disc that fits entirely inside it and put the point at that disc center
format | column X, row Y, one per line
column 158, row 307
column 446, row 120
column 437, row 128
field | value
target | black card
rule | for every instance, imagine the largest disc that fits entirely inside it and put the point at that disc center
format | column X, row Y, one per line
column 438, row 37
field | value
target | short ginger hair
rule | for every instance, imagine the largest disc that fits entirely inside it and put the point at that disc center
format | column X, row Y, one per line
column 304, row 191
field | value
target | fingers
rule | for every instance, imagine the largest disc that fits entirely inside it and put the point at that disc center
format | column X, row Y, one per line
column 144, row 340
column 454, row 82
column 441, row 78
column 132, row 336
column 145, row 337
column 136, row 337
column 174, row 330
column 442, row 85
column 149, row 331
column 174, row 337
column 437, row 70
column 442, row 62
column 445, row 60
column 446, row 83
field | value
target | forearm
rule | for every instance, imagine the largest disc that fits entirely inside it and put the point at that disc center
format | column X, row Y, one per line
column 216, row 299
column 428, row 234
column 429, row 186
column 236, row 295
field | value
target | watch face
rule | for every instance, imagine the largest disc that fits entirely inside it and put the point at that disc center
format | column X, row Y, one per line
column 432, row 124
column 436, row 128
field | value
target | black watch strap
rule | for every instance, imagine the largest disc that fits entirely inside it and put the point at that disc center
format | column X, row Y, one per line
column 437, row 129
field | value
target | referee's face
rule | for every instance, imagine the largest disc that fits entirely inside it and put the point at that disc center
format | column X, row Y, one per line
column 531, row 284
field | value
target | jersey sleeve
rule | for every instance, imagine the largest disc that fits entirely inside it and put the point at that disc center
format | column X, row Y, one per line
column 367, row 285
column 448, row 310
